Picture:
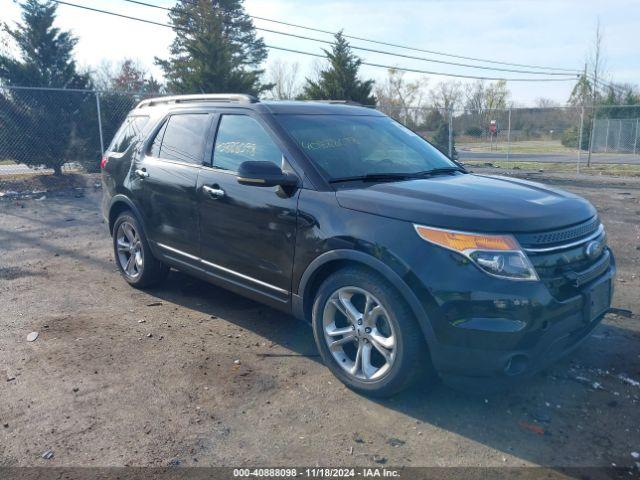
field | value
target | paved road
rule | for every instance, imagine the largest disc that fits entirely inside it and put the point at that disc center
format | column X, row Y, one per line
column 549, row 157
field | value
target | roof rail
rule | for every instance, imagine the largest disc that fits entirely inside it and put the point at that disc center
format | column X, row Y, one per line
column 336, row 102
column 206, row 97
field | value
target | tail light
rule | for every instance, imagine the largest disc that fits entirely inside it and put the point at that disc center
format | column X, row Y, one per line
column 103, row 162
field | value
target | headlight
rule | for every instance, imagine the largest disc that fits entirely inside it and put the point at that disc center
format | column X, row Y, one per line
column 497, row 255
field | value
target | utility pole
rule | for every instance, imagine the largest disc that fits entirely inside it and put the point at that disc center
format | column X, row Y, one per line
column 580, row 138
column 509, row 136
column 635, row 142
column 99, row 122
column 451, row 133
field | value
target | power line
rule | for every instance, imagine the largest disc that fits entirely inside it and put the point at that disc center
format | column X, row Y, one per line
column 413, row 70
column 382, row 52
column 405, row 69
column 389, row 44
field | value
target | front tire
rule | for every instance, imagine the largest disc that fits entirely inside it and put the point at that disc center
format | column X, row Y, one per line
column 366, row 334
column 133, row 255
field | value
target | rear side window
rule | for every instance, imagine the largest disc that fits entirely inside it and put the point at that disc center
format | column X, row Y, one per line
column 182, row 138
column 127, row 133
column 242, row 138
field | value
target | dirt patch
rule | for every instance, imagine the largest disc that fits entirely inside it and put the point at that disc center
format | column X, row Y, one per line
column 121, row 377
column 21, row 185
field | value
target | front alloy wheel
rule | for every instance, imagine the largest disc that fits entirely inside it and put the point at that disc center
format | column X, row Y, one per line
column 359, row 333
column 366, row 333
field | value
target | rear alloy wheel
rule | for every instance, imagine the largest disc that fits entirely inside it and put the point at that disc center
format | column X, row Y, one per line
column 367, row 335
column 130, row 252
column 133, row 255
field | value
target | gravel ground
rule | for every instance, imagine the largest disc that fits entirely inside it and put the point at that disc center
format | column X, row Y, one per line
column 191, row 373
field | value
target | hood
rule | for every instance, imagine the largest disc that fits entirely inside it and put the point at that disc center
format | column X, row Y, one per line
column 471, row 202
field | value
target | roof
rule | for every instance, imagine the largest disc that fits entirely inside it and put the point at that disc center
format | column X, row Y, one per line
column 317, row 108
column 330, row 107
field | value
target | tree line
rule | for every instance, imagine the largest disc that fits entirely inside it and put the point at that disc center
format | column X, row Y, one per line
column 215, row 50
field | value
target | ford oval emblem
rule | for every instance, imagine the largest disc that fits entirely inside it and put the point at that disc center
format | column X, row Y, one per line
column 594, row 249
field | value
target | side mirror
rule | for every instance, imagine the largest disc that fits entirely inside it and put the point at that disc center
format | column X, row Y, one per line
column 265, row 174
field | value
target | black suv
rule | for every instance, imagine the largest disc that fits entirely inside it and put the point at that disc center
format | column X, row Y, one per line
column 401, row 259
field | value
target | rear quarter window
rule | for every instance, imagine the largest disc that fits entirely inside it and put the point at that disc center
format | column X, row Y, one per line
column 129, row 131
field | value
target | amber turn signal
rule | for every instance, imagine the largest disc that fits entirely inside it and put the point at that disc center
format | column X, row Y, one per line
column 463, row 242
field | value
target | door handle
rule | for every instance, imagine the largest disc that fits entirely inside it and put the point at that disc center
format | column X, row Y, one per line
column 142, row 173
column 214, row 192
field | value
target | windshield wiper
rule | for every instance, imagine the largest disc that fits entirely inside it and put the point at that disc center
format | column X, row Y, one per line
column 374, row 177
column 437, row 171
column 394, row 176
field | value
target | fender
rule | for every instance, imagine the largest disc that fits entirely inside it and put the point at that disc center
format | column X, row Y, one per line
column 121, row 198
column 391, row 276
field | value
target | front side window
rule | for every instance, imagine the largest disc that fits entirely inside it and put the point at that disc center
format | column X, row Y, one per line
column 241, row 138
column 183, row 138
column 345, row 146
column 127, row 133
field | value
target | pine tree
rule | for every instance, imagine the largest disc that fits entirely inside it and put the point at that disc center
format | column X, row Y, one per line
column 40, row 127
column 215, row 50
column 340, row 81
column 46, row 52
column 441, row 140
column 582, row 92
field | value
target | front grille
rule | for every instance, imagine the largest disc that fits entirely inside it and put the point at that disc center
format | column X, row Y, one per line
column 565, row 267
column 564, row 235
column 594, row 271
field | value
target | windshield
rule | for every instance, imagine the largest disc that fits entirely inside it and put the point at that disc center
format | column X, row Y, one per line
column 346, row 146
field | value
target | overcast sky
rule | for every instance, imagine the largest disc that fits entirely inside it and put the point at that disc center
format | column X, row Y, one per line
column 550, row 33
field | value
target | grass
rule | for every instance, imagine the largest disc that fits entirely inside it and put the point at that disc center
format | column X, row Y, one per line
column 524, row 146
column 613, row 169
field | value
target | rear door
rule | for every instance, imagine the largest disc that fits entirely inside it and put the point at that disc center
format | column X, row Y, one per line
column 164, row 181
column 247, row 233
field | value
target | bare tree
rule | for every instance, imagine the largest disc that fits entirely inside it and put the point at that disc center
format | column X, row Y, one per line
column 543, row 102
column 496, row 95
column 401, row 99
column 482, row 100
column 284, row 76
column 126, row 75
column 446, row 95
column 481, row 97
column 316, row 68
column 596, row 62
column 103, row 73
column 474, row 96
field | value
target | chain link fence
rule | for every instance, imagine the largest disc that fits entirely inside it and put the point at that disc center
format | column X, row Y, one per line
column 527, row 137
column 616, row 135
column 47, row 130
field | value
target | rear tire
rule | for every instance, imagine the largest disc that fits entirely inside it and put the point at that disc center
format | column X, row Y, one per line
column 133, row 255
column 377, row 347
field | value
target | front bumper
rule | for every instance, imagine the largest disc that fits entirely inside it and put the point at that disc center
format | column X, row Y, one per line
column 506, row 330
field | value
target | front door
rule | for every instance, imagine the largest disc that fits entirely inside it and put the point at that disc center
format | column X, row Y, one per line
column 247, row 233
